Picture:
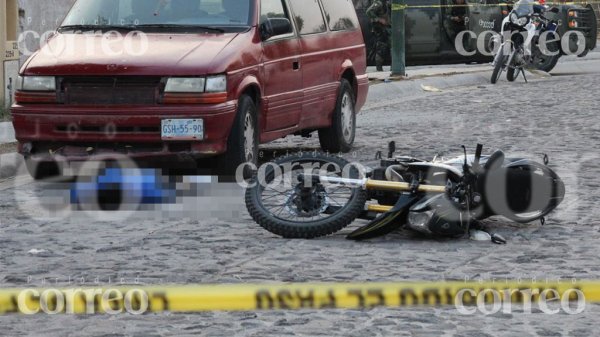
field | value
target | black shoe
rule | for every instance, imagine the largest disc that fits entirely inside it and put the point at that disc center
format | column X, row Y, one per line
column 379, row 68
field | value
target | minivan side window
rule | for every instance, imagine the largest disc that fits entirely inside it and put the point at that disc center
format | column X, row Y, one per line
column 308, row 16
column 272, row 9
column 340, row 14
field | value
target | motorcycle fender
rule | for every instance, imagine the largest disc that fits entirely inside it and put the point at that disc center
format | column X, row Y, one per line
column 387, row 222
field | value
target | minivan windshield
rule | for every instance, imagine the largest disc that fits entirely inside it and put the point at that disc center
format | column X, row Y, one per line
column 215, row 15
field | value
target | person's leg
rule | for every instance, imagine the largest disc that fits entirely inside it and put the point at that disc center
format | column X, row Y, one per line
column 381, row 47
column 383, row 53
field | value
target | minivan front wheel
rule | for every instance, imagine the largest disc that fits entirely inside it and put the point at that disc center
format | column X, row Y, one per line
column 43, row 170
column 339, row 137
column 242, row 145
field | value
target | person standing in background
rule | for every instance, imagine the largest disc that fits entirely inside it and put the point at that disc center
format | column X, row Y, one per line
column 379, row 13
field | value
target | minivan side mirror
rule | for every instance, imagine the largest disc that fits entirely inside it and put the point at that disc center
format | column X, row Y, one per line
column 275, row 26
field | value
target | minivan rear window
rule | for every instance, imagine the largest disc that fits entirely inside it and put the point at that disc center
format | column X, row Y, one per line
column 308, row 16
column 168, row 13
column 340, row 14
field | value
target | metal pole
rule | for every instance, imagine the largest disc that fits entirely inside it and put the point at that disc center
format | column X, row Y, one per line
column 398, row 38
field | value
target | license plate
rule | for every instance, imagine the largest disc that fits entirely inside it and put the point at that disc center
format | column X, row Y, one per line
column 182, row 129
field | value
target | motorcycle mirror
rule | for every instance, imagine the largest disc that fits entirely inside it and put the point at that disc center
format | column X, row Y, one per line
column 554, row 10
column 477, row 155
column 391, row 149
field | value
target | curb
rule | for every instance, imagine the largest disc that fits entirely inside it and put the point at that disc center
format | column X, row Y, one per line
column 7, row 133
column 404, row 89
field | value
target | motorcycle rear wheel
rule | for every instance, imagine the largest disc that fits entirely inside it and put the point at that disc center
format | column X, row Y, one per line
column 277, row 201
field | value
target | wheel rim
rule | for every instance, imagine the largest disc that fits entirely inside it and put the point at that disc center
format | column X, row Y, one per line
column 281, row 195
column 249, row 141
column 347, row 117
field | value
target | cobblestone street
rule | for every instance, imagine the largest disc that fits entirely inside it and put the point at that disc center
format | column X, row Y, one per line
column 556, row 116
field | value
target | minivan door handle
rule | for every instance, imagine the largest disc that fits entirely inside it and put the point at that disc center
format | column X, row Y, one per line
column 296, row 65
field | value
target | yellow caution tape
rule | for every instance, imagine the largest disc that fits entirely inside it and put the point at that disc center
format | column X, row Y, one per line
column 399, row 7
column 249, row 297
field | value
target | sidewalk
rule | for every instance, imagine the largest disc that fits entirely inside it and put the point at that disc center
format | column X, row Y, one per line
column 418, row 72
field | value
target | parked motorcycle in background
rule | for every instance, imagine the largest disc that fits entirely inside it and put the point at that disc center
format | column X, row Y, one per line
column 527, row 40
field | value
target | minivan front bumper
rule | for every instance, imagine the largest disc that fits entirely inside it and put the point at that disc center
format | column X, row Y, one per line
column 77, row 133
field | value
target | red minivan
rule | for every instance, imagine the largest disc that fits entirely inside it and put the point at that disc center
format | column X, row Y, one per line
column 190, row 79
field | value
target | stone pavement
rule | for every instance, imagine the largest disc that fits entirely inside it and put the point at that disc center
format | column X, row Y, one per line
column 557, row 116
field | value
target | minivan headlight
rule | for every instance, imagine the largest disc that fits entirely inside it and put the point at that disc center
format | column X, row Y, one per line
column 36, row 83
column 216, row 83
column 187, row 85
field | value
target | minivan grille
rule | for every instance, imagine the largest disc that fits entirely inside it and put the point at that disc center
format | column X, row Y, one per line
column 93, row 90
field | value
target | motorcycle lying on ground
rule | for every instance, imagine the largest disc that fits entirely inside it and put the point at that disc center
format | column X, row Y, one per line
column 533, row 42
column 310, row 195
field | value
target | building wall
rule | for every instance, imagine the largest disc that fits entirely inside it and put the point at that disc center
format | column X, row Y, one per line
column 597, row 9
column 37, row 17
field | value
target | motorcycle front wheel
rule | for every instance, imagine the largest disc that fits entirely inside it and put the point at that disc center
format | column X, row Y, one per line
column 283, row 199
column 511, row 72
column 499, row 62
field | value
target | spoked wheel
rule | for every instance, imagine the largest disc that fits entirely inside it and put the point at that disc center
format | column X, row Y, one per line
column 286, row 197
column 513, row 65
column 499, row 63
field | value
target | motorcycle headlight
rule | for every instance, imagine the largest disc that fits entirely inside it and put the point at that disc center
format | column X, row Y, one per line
column 522, row 21
column 419, row 221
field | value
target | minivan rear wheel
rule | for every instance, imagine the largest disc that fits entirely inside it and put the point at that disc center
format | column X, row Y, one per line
column 242, row 145
column 339, row 137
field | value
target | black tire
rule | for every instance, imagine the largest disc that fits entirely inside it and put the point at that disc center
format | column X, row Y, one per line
column 546, row 62
column 339, row 137
column 43, row 170
column 240, row 148
column 511, row 72
column 498, row 66
column 333, row 222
